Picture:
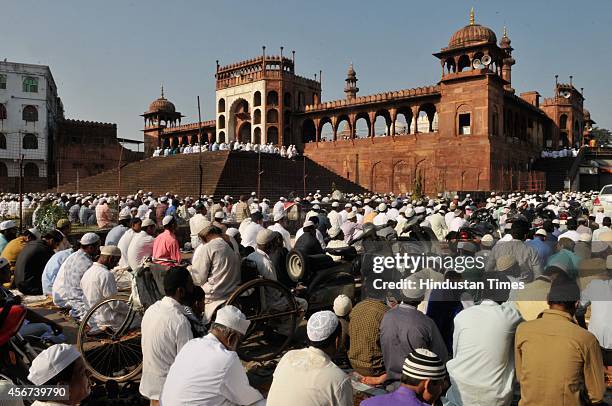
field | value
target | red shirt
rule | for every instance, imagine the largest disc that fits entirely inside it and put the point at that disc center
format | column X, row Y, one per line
column 166, row 246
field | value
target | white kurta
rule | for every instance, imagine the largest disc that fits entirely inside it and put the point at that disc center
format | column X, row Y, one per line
column 286, row 236
column 123, row 245
column 99, row 283
column 67, row 290
column 140, row 247
column 249, row 235
column 205, row 373
column 309, row 377
column 165, row 330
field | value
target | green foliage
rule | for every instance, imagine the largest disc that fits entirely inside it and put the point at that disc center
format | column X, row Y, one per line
column 601, row 135
column 47, row 217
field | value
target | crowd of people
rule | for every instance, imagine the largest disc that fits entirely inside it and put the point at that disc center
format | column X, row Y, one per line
column 561, row 153
column 422, row 346
column 289, row 152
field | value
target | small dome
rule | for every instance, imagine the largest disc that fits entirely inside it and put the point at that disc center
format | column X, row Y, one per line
column 471, row 35
column 161, row 105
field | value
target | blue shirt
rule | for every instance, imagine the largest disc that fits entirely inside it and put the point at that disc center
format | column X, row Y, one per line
column 3, row 242
column 52, row 268
column 171, row 210
column 115, row 234
column 402, row 396
column 542, row 247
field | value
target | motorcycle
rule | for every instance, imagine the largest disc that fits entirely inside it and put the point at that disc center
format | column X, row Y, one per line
column 16, row 354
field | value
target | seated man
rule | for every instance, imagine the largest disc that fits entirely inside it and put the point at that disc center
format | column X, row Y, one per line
column 166, row 249
column 126, row 239
column 53, row 266
column 223, row 381
column 61, row 364
column 422, row 382
column 165, row 330
column 141, row 245
column 307, row 243
column 215, row 267
column 365, row 354
column 115, row 234
column 99, row 283
column 309, row 376
column 404, row 329
column 32, row 261
column 67, row 292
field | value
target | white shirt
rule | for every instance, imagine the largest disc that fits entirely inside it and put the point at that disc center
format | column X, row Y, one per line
column 66, row 289
column 308, row 377
column 334, row 219
column 215, row 267
column 286, row 236
column 457, row 223
column 279, row 208
column 99, row 283
column 140, row 247
column 448, row 218
column 482, row 369
column 380, row 219
column 571, row 234
column 249, row 235
column 597, row 294
column 597, row 233
column 205, row 373
column 165, row 330
column 123, row 245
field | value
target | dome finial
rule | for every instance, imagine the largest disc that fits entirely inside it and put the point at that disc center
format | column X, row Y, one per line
column 472, row 16
column 162, row 90
column 505, row 32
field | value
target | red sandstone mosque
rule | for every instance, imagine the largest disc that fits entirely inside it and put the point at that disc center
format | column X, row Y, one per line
column 469, row 131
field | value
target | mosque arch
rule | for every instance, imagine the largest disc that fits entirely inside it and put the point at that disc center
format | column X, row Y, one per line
column 309, row 131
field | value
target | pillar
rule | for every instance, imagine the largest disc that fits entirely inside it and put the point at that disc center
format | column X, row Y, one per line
column 393, row 114
column 415, row 117
column 372, row 118
column 353, row 124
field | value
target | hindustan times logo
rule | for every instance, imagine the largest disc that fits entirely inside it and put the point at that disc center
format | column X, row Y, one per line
column 413, row 263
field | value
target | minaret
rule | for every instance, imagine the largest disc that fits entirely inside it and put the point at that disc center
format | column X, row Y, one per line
column 351, row 88
column 508, row 60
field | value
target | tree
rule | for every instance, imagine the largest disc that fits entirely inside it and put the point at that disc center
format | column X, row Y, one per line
column 603, row 136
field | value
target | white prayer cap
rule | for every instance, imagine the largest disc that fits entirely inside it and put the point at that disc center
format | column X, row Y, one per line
column 219, row 215
column 232, row 232
column 102, row 201
column 321, row 325
column 231, row 317
column 585, row 237
column 167, row 220
column 541, row 232
column 342, row 305
column 351, row 215
column 347, row 206
column 419, row 210
column 264, row 236
column 335, row 204
column 147, row 223
column 253, row 194
column 382, row 207
column 8, row 224
column 89, row 239
column 334, row 231
column 279, row 215
column 282, row 199
column 51, row 362
column 409, row 212
column 125, row 214
column 163, row 199
column 308, row 223
column 34, row 231
column 316, row 207
column 110, row 250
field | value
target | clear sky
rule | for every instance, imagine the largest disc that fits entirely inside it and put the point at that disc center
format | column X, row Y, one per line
column 110, row 57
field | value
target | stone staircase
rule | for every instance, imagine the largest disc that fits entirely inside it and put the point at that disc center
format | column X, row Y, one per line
column 224, row 173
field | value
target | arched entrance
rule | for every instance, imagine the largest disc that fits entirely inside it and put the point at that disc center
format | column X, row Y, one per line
column 239, row 114
column 244, row 132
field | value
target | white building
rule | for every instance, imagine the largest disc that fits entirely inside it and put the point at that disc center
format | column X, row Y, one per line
column 29, row 110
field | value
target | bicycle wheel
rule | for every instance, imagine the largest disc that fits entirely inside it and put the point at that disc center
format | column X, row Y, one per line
column 273, row 313
column 109, row 339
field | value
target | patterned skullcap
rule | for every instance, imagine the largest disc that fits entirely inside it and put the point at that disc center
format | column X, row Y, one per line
column 424, row 364
column 321, row 325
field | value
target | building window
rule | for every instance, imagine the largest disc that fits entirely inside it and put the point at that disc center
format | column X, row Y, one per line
column 3, row 170
column 30, row 84
column 272, row 116
column 272, row 135
column 563, row 121
column 272, row 99
column 2, row 81
column 287, row 99
column 30, row 170
column 221, row 121
column 30, row 141
column 221, row 106
column 30, row 113
column 2, row 141
column 257, row 99
column 257, row 116
column 2, row 112
column 464, row 124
